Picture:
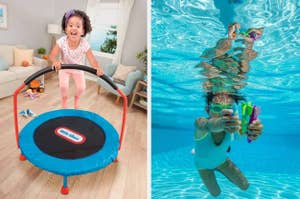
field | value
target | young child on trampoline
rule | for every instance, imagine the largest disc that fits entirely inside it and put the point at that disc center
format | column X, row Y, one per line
column 73, row 49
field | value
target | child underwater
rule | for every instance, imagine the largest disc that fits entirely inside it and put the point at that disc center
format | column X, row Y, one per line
column 213, row 134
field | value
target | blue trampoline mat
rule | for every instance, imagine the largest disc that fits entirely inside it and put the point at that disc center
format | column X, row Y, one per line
column 68, row 167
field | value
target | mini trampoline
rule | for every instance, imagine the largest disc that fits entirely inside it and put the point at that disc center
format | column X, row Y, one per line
column 69, row 142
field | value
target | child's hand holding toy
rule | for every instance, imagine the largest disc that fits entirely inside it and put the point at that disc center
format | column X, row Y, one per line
column 251, row 125
column 254, row 130
column 231, row 121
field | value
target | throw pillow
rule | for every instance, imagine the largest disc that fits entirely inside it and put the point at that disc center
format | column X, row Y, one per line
column 21, row 55
column 119, row 81
column 3, row 64
column 25, row 63
column 122, row 72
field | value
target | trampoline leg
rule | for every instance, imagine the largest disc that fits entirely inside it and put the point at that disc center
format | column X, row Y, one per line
column 22, row 157
column 64, row 189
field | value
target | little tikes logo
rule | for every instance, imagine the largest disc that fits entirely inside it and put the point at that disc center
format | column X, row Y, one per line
column 70, row 135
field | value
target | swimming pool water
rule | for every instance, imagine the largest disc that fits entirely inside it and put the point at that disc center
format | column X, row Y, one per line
column 181, row 30
column 183, row 181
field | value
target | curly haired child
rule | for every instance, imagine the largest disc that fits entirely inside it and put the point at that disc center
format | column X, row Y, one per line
column 73, row 49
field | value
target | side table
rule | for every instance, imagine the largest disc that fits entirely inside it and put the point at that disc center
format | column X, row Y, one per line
column 139, row 97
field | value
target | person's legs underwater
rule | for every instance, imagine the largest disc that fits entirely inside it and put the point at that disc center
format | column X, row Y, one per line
column 79, row 79
column 234, row 174
column 64, row 77
column 209, row 179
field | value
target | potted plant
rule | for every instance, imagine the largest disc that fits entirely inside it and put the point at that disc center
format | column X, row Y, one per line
column 142, row 57
column 42, row 53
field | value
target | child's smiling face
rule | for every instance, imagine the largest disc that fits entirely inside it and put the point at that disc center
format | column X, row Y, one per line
column 74, row 28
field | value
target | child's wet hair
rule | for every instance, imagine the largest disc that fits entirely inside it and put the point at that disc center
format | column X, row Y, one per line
column 235, row 96
column 86, row 20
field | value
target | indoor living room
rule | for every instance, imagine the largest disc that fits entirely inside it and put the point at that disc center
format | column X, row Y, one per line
column 29, row 32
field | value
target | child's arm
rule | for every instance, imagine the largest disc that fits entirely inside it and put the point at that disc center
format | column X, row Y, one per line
column 203, row 126
column 53, row 57
column 92, row 60
column 201, row 129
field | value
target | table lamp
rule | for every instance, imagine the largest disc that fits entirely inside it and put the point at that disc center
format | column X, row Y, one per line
column 54, row 29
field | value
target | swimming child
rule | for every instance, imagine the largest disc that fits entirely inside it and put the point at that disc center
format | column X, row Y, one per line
column 213, row 136
column 73, row 49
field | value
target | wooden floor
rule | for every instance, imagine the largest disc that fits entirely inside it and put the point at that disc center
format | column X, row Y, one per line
column 125, row 179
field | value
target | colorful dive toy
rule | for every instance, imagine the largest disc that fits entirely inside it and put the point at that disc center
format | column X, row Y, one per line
column 234, row 34
column 255, row 113
column 246, row 114
column 244, row 34
column 253, row 35
column 249, row 114
column 254, row 116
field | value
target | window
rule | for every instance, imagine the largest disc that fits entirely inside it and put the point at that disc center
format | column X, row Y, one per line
column 104, row 18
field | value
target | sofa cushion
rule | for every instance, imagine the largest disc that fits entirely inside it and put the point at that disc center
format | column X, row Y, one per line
column 6, row 52
column 3, row 64
column 122, row 72
column 24, row 72
column 21, row 55
column 109, row 69
column 119, row 81
column 6, row 76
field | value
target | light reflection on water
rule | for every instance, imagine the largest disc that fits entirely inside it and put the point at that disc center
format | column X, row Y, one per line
column 181, row 34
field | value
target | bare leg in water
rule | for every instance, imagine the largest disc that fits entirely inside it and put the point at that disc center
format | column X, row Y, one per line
column 229, row 170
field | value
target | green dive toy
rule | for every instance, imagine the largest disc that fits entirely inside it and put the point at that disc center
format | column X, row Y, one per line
column 249, row 114
column 247, row 109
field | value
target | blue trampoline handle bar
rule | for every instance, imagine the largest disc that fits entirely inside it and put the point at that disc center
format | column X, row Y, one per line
column 71, row 66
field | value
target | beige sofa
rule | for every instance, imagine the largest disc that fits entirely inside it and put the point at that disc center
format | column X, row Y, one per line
column 14, row 76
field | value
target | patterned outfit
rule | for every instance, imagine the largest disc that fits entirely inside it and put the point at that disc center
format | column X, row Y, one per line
column 72, row 56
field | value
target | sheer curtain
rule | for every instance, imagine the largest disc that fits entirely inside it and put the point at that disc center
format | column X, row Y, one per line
column 125, row 10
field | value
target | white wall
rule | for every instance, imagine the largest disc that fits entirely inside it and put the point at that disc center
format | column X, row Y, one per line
column 28, row 19
column 27, row 23
column 136, row 37
column 62, row 6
